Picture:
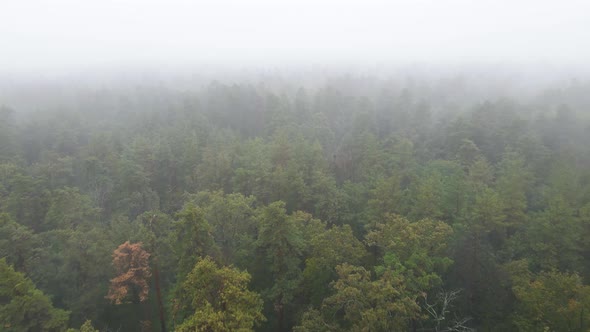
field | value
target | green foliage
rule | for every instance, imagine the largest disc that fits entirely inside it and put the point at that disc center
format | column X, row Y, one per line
column 360, row 304
column 553, row 240
column 328, row 248
column 8, row 139
column 86, row 327
column 279, row 246
column 193, row 238
column 27, row 201
column 17, row 243
column 25, row 308
column 232, row 218
column 551, row 301
column 217, row 299
column 513, row 180
column 68, row 209
column 416, row 251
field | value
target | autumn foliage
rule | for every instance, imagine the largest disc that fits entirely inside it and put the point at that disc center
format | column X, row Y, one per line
column 131, row 262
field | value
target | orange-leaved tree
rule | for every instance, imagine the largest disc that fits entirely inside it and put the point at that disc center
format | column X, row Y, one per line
column 131, row 262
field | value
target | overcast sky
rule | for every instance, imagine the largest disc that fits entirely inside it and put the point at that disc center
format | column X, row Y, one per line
column 86, row 33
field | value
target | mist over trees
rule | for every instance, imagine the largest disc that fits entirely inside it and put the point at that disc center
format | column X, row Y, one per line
column 292, row 201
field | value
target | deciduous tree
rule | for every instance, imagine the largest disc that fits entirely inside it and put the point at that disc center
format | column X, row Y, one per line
column 217, row 299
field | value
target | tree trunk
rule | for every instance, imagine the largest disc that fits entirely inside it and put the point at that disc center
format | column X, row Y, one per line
column 159, row 297
column 281, row 317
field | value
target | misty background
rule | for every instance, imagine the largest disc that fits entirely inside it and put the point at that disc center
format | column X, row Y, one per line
column 78, row 35
column 495, row 47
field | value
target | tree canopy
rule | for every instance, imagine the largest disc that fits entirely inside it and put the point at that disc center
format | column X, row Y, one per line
column 350, row 203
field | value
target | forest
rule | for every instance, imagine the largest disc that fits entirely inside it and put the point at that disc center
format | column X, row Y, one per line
column 272, row 203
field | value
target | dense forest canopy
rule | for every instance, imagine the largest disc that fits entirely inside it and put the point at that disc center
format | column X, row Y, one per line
column 301, row 201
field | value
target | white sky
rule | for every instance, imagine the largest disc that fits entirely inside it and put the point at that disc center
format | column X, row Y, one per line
column 83, row 33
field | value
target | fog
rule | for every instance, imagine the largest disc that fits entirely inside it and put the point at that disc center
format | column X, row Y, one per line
column 305, row 165
column 60, row 35
column 53, row 51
